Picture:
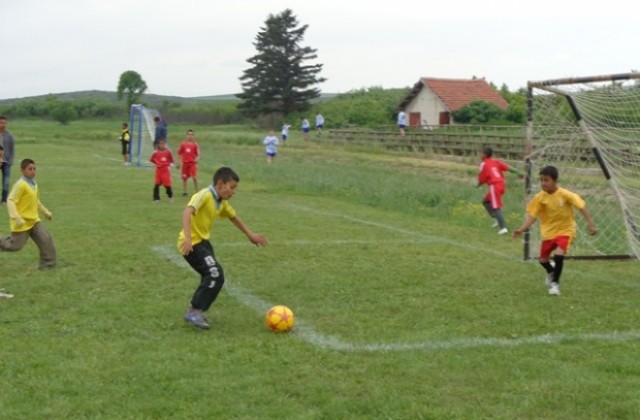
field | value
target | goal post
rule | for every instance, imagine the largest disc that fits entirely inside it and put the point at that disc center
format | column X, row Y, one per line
column 589, row 128
column 142, row 132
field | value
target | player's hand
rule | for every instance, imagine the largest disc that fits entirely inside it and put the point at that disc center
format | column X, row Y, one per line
column 48, row 215
column 258, row 240
column 19, row 222
column 592, row 230
column 516, row 233
column 186, row 247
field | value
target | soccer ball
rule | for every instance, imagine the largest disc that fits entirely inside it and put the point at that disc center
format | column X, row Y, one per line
column 279, row 319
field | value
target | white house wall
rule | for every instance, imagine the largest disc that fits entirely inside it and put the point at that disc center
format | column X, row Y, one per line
column 428, row 105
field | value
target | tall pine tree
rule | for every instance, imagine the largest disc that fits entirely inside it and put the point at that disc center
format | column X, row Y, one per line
column 281, row 80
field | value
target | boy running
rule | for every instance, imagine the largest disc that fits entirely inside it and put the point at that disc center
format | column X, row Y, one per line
column 554, row 206
column 23, row 204
column 491, row 173
column 198, row 218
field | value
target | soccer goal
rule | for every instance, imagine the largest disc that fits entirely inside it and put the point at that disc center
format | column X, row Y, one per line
column 589, row 128
column 142, row 132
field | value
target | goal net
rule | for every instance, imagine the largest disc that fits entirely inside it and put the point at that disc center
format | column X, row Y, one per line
column 589, row 128
column 142, row 132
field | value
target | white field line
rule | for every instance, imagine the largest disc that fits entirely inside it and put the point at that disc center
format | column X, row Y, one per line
column 308, row 334
column 395, row 229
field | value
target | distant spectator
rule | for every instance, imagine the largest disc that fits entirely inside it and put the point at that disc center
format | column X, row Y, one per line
column 6, row 141
column 285, row 132
column 402, row 122
column 305, row 128
column 161, row 132
column 319, row 123
column 271, row 146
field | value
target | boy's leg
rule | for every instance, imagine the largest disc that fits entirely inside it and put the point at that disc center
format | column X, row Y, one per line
column 169, row 191
column 202, row 259
column 156, row 192
column 15, row 241
column 497, row 213
column 45, row 244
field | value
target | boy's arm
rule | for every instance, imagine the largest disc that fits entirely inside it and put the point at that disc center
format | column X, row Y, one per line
column 186, row 247
column 587, row 217
column 13, row 212
column 529, row 220
column 44, row 211
column 258, row 240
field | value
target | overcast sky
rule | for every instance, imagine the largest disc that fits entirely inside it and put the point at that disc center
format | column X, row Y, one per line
column 199, row 47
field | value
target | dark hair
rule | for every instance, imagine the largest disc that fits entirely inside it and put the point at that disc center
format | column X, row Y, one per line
column 550, row 171
column 189, row 131
column 487, row 151
column 125, row 125
column 225, row 174
column 2, row 117
column 26, row 162
column 156, row 119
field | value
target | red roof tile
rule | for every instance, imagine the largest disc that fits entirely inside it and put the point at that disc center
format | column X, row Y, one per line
column 456, row 93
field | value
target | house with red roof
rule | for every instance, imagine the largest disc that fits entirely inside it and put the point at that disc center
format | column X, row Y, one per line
column 431, row 101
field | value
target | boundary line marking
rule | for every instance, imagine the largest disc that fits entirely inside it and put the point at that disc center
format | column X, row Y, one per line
column 309, row 335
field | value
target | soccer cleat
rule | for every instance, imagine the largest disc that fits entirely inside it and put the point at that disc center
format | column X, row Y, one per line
column 196, row 319
column 503, row 231
column 495, row 224
column 184, row 194
column 554, row 289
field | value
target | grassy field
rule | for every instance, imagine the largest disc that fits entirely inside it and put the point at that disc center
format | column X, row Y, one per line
column 408, row 304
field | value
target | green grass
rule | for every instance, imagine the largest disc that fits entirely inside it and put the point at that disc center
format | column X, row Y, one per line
column 408, row 305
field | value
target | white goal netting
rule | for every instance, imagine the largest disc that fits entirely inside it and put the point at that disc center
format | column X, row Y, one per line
column 589, row 128
column 142, row 133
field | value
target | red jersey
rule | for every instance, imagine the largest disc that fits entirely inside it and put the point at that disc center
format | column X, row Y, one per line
column 162, row 158
column 491, row 171
column 189, row 151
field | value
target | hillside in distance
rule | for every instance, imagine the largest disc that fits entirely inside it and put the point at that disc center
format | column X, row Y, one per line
column 147, row 98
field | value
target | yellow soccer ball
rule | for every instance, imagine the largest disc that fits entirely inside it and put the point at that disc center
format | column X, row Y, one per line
column 279, row 319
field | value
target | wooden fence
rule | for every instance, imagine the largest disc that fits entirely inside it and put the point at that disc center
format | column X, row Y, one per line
column 508, row 142
column 439, row 142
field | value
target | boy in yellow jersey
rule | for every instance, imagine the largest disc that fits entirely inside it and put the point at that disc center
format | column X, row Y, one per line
column 124, row 140
column 554, row 206
column 23, row 205
column 198, row 218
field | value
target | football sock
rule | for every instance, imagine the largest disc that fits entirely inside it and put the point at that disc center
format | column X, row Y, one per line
column 547, row 266
column 559, row 260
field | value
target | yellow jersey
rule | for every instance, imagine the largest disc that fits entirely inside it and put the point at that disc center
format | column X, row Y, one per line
column 208, row 208
column 556, row 212
column 26, row 196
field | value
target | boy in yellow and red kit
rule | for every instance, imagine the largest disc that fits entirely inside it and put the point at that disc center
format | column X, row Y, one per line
column 189, row 153
column 162, row 158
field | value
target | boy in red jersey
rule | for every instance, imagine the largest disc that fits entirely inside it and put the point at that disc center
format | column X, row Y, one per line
column 162, row 158
column 554, row 206
column 189, row 153
column 491, row 173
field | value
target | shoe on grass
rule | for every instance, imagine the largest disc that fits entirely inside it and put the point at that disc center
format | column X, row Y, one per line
column 195, row 318
column 503, row 231
column 554, row 289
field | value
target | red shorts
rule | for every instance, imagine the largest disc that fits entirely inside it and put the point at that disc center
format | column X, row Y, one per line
column 549, row 245
column 189, row 170
column 163, row 176
column 494, row 195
